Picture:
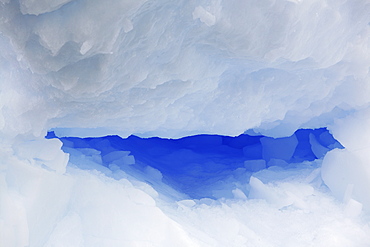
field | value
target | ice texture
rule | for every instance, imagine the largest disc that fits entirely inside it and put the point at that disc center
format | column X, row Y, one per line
column 171, row 70
column 174, row 69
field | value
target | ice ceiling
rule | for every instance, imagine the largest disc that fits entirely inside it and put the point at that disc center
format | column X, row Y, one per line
column 213, row 69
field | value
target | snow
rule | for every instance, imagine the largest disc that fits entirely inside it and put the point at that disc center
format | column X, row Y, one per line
column 193, row 77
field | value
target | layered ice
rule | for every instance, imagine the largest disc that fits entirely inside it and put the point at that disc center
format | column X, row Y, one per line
column 210, row 74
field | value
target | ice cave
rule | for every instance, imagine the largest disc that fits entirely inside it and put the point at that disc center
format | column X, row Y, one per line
column 203, row 123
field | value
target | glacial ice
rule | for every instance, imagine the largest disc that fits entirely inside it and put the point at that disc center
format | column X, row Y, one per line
column 194, row 165
column 211, row 76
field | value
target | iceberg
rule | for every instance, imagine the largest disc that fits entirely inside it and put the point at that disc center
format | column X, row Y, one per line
column 187, row 123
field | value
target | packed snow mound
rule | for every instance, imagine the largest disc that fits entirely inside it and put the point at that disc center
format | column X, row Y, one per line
column 171, row 70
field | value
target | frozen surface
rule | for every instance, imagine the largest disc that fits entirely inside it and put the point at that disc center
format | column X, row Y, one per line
column 172, row 69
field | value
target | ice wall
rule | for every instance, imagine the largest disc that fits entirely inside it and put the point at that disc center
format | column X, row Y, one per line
column 165, row 69
column 173, row 69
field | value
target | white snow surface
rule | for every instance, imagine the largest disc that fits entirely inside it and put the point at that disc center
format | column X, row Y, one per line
column 177, row 68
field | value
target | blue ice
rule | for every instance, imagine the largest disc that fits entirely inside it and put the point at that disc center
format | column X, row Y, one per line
column 197, row 166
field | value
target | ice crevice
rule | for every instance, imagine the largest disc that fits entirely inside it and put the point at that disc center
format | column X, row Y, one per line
column 201, row 166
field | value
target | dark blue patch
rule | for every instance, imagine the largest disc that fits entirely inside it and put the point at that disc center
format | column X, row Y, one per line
column 190, row 164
